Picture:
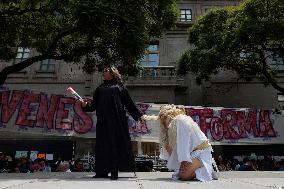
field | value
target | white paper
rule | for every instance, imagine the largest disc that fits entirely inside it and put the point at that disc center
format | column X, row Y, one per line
column 49, row 157
column 33, row 155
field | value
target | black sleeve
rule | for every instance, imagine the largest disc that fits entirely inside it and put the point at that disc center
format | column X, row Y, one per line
column 92, row 106
column 130, row 105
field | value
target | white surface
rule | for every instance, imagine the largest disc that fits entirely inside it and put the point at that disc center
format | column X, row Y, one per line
column 153, row 180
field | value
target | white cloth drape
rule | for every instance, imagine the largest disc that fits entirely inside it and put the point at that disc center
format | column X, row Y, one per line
column 189, row 136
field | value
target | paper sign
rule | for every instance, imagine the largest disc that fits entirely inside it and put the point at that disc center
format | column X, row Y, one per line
column 33, row 155
column 41, row 156
column 49, row 156
column 20, row 154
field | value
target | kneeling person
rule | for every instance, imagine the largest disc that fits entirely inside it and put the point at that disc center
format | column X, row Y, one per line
column 184, row 146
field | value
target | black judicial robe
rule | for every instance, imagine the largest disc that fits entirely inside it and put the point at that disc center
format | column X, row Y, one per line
column 113, row 150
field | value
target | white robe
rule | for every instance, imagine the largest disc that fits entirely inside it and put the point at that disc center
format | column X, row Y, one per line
column 189, row 136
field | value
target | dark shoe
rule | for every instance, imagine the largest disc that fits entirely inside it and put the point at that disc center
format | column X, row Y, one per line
column 101, row 175
column 114, row 175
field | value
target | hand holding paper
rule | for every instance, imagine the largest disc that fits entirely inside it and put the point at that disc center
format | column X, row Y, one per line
column 73, row 92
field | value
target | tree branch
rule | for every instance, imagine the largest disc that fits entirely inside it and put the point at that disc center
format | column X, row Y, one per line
column 83, row 50
column 60, row 36
column 22, row 65
column 266, row 73
column 18, row 12
column 18, row 67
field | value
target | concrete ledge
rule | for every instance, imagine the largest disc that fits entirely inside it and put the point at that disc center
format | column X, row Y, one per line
column 155, row 180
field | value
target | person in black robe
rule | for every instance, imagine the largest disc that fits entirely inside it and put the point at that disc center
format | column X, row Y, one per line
column 113, row 145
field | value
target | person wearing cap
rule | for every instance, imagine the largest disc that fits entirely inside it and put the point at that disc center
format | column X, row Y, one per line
column 184, row 146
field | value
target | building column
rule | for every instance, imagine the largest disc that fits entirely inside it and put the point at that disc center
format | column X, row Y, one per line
column 139, row 146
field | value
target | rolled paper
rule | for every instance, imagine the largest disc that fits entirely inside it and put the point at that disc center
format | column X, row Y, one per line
column 73, row 92
column 150, row 117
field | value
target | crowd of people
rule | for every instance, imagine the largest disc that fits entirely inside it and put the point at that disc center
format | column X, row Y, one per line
column 267, row 163
column 25, row 165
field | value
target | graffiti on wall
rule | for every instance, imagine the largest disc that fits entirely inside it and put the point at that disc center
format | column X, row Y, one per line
column 234, row 124
column 37, row 112
column 55, row 112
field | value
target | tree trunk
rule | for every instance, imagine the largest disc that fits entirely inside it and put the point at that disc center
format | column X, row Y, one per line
column 3, row 78
column 266, row 73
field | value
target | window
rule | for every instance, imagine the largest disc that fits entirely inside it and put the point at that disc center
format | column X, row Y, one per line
column 47, row 65
column 185, row 15
column 151, row 56
column 22, row 54
column 277, row 61
column 273, row 59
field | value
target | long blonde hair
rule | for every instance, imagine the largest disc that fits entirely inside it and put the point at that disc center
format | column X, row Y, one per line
column 115, row 73
column 168, row 132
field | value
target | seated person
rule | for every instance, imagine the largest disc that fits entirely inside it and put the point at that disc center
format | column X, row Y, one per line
column 64, row 167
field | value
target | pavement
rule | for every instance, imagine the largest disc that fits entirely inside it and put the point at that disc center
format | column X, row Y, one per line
column 143, row 180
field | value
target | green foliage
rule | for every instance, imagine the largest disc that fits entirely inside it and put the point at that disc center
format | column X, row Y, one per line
column 242, row 39
column 92, row 32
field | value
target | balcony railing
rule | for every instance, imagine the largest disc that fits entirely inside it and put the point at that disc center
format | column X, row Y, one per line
column 155, row 76
column 158, row 71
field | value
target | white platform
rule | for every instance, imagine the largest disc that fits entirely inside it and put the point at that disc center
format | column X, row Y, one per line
column 153, row 180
